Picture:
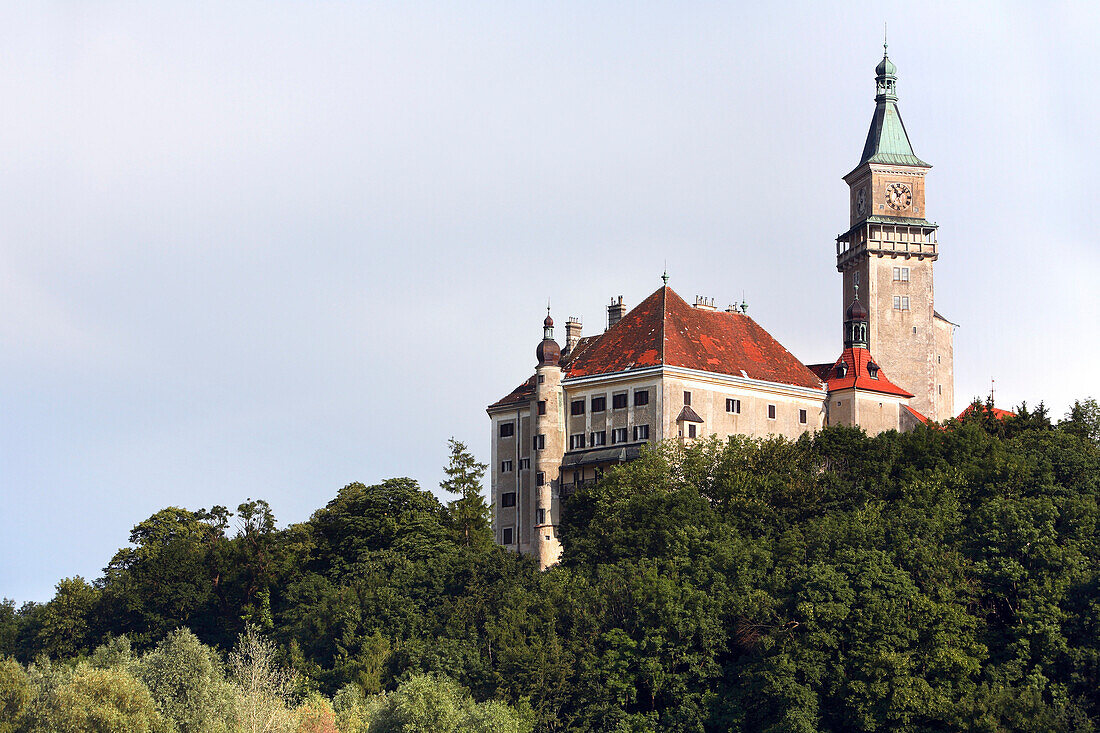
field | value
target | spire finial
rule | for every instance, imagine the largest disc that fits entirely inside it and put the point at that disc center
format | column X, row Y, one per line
column 856, row 286
column 664, row 276
column 884, row 39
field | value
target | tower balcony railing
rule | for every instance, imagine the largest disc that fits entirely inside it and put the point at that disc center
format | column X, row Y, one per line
column 889, row 240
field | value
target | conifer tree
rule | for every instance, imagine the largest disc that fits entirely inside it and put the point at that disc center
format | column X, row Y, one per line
column 470, row 514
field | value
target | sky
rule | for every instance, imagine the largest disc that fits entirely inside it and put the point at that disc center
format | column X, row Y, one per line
column 266, row 249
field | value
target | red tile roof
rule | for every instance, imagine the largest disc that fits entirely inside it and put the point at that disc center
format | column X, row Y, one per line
column 664, row 330
column 997, row 412
column 916, row 414
column 858, row 376
column 520, row 394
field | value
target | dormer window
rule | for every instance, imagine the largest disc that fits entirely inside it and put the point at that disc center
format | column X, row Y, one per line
column 872, row 369
column 842, row 369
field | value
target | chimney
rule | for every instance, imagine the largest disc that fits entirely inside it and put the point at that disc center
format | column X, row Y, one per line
column 573, row 328
column 705, row 304
column 615, row 311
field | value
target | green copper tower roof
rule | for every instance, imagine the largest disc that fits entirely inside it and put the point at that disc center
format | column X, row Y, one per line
column 887, row 141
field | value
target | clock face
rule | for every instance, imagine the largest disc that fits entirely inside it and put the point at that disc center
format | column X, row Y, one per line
column 898, row 196
column 861, row 202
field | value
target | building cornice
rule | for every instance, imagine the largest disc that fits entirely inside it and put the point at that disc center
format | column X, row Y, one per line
column 728, row 380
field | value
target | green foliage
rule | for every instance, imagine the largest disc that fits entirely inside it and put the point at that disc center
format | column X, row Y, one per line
column 103, row 701
column 15, row 695
column 470, row 514
column 939, row 580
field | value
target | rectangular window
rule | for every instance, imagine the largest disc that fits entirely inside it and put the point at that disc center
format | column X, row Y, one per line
column 897, row 274
column 508, row 499
column 618, row 401
column 507, row 429
column 576, row 407
column 576, row 441
column 687, row 398
column 733, row 405
column 771, row 412
column 905, row 302
column 905, row 274
column 524, row 464
column 897, row 302
column 939, row 389
column 641, row 397
column 538, row 442
column 542, row 378
column 641, row 432
column 618, row 435
column 599, row 404
column 542, row 407
column 505, row 466
column 540, row 478
column 541, row 516
column 598, row 438
column 506, row 536
column 691, row 430
column 576, row 477
column 802, row 416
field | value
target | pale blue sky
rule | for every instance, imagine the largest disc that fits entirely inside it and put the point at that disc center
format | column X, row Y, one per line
column 266, row 249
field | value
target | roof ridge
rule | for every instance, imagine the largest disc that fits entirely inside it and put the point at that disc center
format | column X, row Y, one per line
column 664, row 317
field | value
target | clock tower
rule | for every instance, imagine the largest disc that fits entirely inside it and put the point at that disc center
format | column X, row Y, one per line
column 888, row 254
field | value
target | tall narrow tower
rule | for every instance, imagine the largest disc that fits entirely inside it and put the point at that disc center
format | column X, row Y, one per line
column 888, row 253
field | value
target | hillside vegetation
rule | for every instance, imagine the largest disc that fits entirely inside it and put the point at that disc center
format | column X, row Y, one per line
column 946, row 579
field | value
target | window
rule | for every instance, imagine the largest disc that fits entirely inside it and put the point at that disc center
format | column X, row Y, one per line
column 938, row 359
column 641, row 397
column 576, row 477
column 540, row 478
column 542, row 378
column 538, row 442
column 901, row 302
column 507, row 429
column 618, row 435
column 771, row 412
column 542, row 407
column 733, row 406
column 505, row 466
column 508, row 499
column 576, row 407
column 618, row 401
column 506, row 536
column 599, row 404
column 802, row 416
column 897, row 302
column 939, row 389
column 687, row 398
column 576, row 441
column 541, row 516
column 641, row 432
column 901, row 274
column 598, row 438
column 524, row 464
column 691, row 430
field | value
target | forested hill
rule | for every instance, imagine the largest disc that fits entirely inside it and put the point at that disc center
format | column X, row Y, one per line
column 946, row 579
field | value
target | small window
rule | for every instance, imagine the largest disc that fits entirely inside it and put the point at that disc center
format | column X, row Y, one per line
column 733, row 405
column 542, row 407
column 576, row 407
column 802, row 416
column 507, row 429
column 541, row 516
column 598, row 438
column 618, row 435
column 905, row 302
column 542, row 378
column 771, row 412
column 576, row 441
column 641, row 432
column 687, row 398
column 691, row 430
column 538, row 442
column 905, row 274
column 524, row 464
column 540, row 478
column 897, row 274
column 897, row 302
column 939, row 389
column 641, row 397
column 939, row 359
column 599, row 404
column 506, row 536
column 508, row 499
column 505, row 466
column 618, row 401
column 914, row 329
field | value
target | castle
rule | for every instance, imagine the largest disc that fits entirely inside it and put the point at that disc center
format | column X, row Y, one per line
column 672, row 370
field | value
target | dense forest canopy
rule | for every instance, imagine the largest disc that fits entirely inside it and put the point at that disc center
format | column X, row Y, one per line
column 946, row 579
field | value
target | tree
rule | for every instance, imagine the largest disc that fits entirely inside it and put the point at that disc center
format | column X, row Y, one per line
column 185, row 679
column 15, row 695
column 103, row 701
column 65, row 622
column 469, row 512
column 263, row 687
column 1083, row 420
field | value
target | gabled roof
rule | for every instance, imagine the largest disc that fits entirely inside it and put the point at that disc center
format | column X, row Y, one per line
column 916, row 414
column 858, row 376
column 664, row 330
column 689, row 415
column 997, row 412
